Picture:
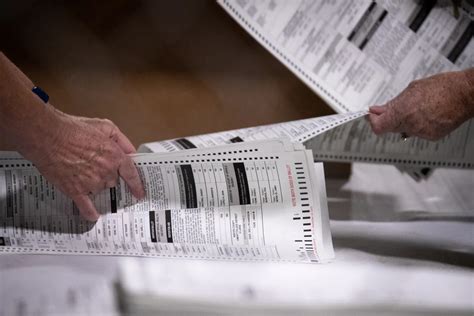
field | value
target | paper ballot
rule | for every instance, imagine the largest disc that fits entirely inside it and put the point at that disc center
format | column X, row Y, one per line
column 359, row 53
column 346, row 138
column 253, row 201
column 355, row 54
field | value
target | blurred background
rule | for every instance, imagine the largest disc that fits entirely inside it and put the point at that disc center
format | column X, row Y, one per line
column 158, row 69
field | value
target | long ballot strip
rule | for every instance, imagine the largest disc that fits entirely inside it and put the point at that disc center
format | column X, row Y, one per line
column 345, row 137
column 250, row 201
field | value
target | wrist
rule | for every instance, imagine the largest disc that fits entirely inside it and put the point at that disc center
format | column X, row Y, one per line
column 37, row 140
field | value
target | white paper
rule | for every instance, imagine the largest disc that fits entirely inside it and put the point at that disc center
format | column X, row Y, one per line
column 251, row 201
column 346, row 137
column 358, row 53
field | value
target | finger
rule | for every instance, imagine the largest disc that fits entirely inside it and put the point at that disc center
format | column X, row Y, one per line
column 124, row 143
column 378, row 109
column 113, row 132
column 86, row 207
column 113, row 175
column 110, row 183
column 129, row 173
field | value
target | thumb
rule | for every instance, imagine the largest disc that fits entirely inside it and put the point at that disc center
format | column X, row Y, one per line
column 384, row 122
column 378, row 109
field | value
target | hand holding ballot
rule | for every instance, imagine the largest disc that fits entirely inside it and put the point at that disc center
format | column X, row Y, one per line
column 429, row 108
column 85, row 157
column 80, row 156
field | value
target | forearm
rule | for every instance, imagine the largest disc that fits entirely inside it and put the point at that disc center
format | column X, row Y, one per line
column 23, row 116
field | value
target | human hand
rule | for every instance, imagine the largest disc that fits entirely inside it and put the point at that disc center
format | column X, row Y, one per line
column 85, row 157
column 429, row 108
column 80, row 156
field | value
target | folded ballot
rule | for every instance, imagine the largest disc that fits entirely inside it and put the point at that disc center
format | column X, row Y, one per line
column 347, row 137
column 355, row 54
column 262, row 200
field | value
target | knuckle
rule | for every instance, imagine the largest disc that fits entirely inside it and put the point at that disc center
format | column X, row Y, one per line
column 414, row 84
column 108, row 127
column 106, row 121
column 107, row 151
column 113, row 128
column 95, row 120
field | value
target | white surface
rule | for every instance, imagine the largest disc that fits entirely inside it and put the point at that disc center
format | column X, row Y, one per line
column 360, row 281
column 57, row 285
column 382, row 253
column 382, row 193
